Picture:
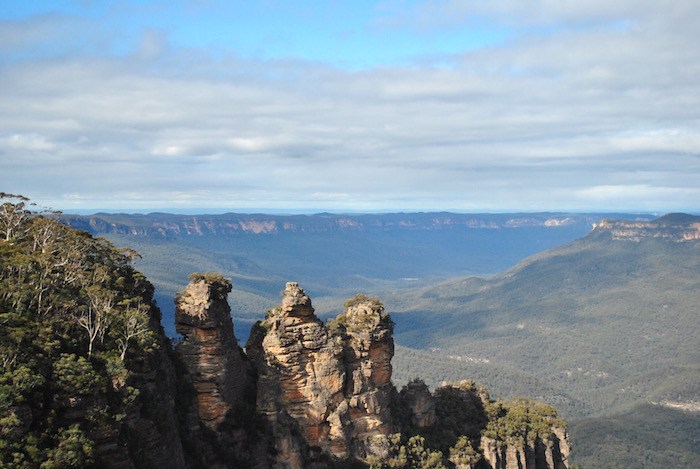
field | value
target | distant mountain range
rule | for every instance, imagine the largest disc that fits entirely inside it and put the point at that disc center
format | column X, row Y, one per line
column 230, row 224
column 332, row 255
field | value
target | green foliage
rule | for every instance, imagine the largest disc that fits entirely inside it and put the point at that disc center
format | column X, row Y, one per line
column 209, row 277
column 520, row 420
column 411, row 453
column 360, row 320
column 17, row 383
column 464, row 414
column 73, row 450
column 220, row 285
column 361, row 298
column 459, row 411
column 77, row 323
column 648, row 436
column 593, row 328
column 463, row 452
column 74, row 375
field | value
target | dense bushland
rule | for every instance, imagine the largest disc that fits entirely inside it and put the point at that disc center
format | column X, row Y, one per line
column 75, row 320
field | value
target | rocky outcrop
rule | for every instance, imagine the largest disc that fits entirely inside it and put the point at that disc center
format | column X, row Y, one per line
column 300, row 378
column 676, row 227
column 325, row 396
column 551, row 453
column 218, row 418
column 329, row 384
column 322, row 396
column 524, row 434
column 209, row 350
column 420, row 402
column 366, row 330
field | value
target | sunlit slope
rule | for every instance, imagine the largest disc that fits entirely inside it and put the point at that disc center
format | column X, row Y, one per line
column 589, row 319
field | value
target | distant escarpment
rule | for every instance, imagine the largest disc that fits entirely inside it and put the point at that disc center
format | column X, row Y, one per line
column 678, row 227
column 162, row 225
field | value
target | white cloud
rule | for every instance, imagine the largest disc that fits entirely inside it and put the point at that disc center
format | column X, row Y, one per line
column 28, row 142
column 573, row 117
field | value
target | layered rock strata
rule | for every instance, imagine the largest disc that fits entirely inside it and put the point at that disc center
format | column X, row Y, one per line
column 209, row 350
column 331, row 383
column 366, row 330
column 538, row 453
column 300, row 377
column 676, row 227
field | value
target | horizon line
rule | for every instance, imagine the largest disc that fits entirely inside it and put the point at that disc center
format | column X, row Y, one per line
column 318, row 211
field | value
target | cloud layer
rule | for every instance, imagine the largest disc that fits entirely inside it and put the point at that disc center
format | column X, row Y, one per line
column 591, row 106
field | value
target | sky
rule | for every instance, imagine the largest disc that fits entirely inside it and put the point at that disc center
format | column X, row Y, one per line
column 467, row 105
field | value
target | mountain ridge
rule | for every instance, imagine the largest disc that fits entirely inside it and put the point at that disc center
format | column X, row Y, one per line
column 329, row 253
column 169, row 225
column 609, row 322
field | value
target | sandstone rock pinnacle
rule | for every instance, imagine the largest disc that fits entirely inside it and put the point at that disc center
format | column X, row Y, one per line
column 209, row 349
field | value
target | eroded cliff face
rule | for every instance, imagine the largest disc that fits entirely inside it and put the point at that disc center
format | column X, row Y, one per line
column 218, row 380
column 210, row 350
column 538, row 453
column 331, row 384
column 366, row 330
column 231, row 224
column 300, row 378
column 676, row 227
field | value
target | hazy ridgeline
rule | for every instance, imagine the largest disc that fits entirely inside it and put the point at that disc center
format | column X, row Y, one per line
column 333, row 256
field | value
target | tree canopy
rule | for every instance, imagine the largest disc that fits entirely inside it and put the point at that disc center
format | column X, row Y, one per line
column 75, row 318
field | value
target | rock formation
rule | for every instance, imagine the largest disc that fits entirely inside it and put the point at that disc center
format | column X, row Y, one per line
column 322, row 396
column 551, row 453
column 210, row 350
column 309, row 394
column 217, row 421
column 420, row 402
column 524, row 434
column 676, row 227
column 300, row 377
column 366, row 330
column 330, row 384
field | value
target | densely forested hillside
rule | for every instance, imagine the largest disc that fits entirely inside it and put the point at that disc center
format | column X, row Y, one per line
column 596, row 327
column 77, row 329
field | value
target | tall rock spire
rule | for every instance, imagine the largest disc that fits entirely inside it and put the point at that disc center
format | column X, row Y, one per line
column 331, row 383
column 209, row 350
